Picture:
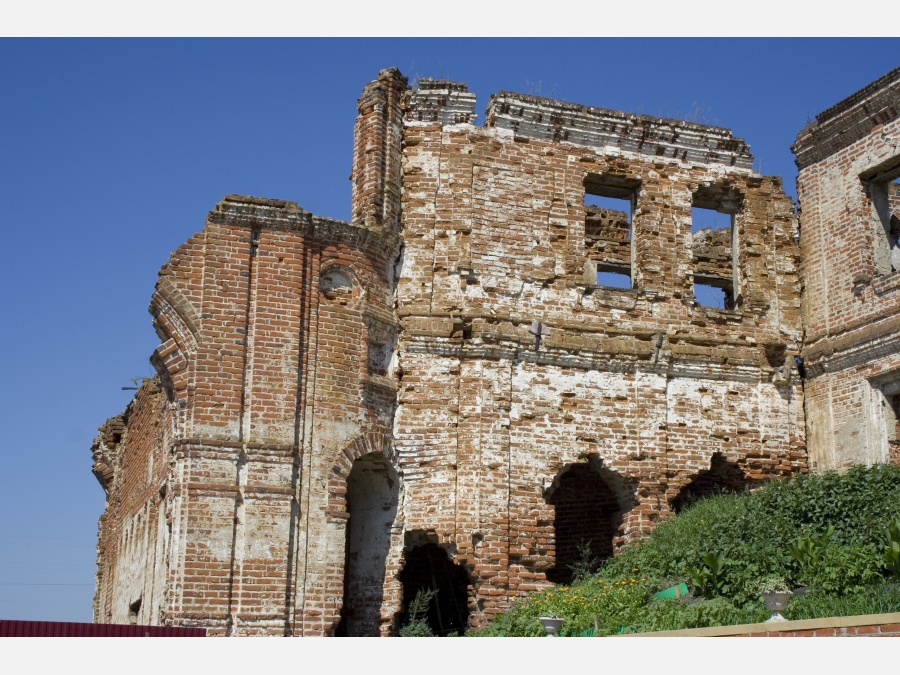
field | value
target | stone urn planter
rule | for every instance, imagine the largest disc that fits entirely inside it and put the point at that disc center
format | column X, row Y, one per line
column 551, row 625
column 776, row 601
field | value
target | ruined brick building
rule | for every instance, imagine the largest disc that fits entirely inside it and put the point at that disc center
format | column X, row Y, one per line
column 507, row 352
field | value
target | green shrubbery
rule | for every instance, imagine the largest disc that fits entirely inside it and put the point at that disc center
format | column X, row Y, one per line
column 834, row 533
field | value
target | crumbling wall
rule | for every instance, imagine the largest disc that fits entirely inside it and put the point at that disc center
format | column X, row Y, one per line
column 517, row 365
column 849, row 162
column 132, row 465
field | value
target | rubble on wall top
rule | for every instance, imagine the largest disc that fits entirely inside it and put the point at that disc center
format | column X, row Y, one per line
column 427, row 83
column 886, row 81
column 261, row 201
column 540, row 118
column 246, row 211
column 547, row 119
column 441, row 101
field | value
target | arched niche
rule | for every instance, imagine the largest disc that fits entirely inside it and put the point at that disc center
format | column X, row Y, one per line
column 372, row 496
column 588, row 513
column 722, row 476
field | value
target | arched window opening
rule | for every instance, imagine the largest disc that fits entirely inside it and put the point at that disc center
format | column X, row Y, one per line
column 429, row 567
column 587, row 519
column 722, row 476
column 372, row 491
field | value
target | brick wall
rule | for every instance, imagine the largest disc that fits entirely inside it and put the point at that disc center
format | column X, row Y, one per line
column 494, row 230
column 851, row 290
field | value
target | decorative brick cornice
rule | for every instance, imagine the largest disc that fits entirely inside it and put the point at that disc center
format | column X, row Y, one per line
column 550, row 120
column 850, row 120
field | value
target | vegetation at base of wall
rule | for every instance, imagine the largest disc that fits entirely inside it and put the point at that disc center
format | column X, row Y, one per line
column 417, row 625
column 837, row 525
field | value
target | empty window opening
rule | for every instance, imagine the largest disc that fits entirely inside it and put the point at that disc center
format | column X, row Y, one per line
column 429, row 567
column 721, row 477
column 372, row 490
column 382, row 339
column 712, row 292
column 609, row 203
column 890, row 399
column 613, row 277
column 883, row 190
column 713, row 248
column 587, row 515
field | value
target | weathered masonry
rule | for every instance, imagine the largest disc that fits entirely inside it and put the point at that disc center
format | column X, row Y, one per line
column 849, row 190
column 548, row 331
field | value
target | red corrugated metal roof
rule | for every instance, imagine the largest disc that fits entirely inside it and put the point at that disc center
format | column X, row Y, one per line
column 67, row 629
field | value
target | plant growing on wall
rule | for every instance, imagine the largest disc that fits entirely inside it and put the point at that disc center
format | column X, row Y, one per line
column 585, row 564
column 417, row 625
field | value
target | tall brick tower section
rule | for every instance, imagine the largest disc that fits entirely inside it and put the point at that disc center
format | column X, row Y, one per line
column 449, row 392
column 849, row 190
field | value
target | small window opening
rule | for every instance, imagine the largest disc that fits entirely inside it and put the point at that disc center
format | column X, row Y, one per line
column 713, row 245
column 134, row 609
column 883, row 190
column 609, row 204
column 613, row 277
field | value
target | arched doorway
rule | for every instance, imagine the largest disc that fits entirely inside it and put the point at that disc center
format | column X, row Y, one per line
column 372, row 491
column 587, row 519
column 722, row 476
column 429, row 567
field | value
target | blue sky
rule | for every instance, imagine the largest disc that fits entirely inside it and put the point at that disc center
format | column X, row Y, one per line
column 113, row 151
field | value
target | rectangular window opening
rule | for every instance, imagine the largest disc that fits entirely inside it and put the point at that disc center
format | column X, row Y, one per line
column 611, row 277
column 712, row 294
column 887, row 390
column 609, row 203
column 713, row 246
column 883, row 191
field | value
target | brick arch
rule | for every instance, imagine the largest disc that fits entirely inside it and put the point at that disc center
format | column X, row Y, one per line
column 373, row 442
